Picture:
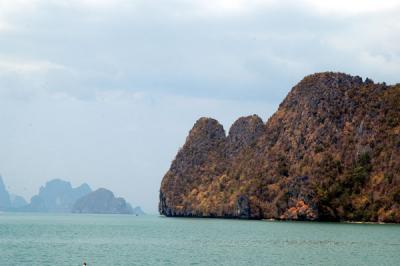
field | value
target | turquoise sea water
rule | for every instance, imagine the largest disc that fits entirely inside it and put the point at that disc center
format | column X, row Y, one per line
column 44, row 239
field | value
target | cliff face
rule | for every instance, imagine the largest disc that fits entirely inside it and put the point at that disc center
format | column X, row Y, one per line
column 330, row 152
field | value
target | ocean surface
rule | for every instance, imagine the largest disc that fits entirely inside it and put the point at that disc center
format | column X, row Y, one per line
column 68, row 239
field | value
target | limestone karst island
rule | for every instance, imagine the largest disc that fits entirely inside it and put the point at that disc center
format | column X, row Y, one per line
column 331, row 152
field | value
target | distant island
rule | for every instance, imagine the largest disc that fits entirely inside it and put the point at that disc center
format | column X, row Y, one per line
column 104, row 201
column 9, row 201
column 58, row 196
column 331, row 152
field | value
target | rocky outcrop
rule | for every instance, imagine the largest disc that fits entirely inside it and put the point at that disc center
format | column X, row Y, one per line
column 56, row 196
column 204, row 146
column 330, row 152
column 102, row 201
column 243, row 134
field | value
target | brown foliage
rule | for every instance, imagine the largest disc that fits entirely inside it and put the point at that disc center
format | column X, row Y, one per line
column 330, row 152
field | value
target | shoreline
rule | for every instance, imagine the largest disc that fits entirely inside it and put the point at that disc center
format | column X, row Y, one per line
column 275, row 220
column 339, row 222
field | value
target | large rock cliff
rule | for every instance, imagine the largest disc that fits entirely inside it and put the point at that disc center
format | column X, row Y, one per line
column 330, row 152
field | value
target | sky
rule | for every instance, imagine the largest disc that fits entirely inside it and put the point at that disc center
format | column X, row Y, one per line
column 105, row 92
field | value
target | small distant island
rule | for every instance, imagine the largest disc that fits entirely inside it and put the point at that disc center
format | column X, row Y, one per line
column 103, row 201
column 331, row 152
column 58, row 196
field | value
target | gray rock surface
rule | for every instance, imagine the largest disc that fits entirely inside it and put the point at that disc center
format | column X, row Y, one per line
column 243, row 133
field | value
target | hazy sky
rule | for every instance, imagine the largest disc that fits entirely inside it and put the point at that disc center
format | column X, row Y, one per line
column 105, row 92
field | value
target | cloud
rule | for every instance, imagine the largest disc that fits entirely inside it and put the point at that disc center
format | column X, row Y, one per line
column 27, row 67
column 199, row 48
column 353, row 7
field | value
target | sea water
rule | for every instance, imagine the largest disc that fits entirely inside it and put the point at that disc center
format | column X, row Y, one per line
column 70, row 239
